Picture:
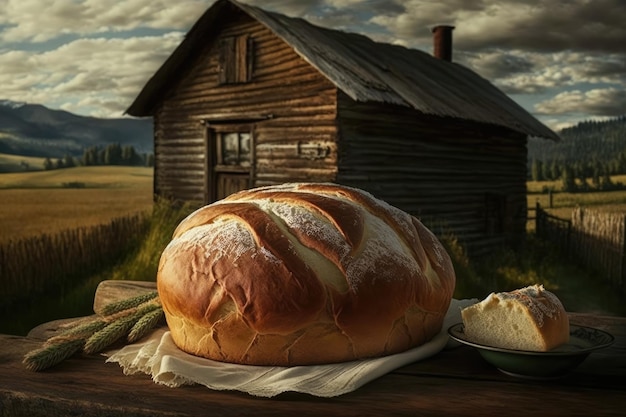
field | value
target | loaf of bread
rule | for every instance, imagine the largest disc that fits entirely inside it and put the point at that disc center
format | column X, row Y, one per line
column 301, row 274
column 529, row 318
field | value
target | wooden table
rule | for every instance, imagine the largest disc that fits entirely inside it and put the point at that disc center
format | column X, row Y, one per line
column 456, row 382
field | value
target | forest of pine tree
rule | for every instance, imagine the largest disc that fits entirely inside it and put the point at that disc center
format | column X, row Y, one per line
column 113, row 154
column 589, row 151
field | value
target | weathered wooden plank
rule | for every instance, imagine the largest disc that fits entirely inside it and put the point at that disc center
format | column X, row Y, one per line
column 294, row 175
column 194, row 174
column 280, row 81
column 191, row 142
column 85, row 385
column 277, row 98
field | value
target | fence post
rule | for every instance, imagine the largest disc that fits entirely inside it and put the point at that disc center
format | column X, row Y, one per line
column 550, row 197
column 568, row 247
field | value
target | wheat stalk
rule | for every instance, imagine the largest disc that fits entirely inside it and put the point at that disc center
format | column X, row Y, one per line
column 116, row 329
column 128, row 303
column 133, row 317
column 145, row 324
column 52, row 354
column 87, row 328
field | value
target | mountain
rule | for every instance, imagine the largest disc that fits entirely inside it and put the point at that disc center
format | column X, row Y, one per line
column 35, row 130
column 584, row 142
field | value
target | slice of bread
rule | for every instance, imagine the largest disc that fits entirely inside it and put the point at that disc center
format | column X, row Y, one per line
column 529, row 318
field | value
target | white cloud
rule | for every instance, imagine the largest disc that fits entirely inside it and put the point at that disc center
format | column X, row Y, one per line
column 533, row 25
column 113, row 68
column 37, row 21
column 605, row 102
column 524, row 72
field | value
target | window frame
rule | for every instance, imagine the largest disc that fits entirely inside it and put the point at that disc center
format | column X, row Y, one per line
column 235, row 59
column 221, row 148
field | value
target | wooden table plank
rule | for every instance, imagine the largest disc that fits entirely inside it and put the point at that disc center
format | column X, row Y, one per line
column 455, row 382
column 87, row 386
column 103, row 390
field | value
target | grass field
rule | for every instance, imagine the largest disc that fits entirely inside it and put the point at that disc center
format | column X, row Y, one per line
column 49, row 201
column 40, row 202
column 564, row 203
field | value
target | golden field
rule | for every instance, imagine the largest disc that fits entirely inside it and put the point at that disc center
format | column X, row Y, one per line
column 46, row 202
column 564, row 203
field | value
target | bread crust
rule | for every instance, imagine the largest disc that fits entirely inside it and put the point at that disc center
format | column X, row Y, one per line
column 302, row 274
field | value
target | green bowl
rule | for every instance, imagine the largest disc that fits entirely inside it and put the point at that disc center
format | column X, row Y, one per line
column 540, row 365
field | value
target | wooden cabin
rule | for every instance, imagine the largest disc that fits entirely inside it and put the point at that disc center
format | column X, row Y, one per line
column 252, row 98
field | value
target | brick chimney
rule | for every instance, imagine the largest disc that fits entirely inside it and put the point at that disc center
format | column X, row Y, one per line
column 442, row 42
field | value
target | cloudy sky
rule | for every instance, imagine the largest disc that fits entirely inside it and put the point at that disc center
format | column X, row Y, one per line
column 562, row 60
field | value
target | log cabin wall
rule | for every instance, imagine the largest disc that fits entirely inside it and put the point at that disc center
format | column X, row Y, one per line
column 298, row 143
column 462, row 178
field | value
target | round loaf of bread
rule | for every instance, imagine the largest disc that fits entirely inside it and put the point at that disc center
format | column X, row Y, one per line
column 302, row 274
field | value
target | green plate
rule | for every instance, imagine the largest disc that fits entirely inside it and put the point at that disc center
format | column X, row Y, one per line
column 540, row 365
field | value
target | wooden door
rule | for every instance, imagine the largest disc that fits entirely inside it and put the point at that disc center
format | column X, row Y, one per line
column 231, row 159
column 228, row 183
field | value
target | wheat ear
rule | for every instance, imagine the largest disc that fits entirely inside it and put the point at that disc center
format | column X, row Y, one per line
column 133, row 317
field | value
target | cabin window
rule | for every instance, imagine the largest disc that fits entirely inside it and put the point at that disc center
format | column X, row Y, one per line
column 234, row 149
column 236, row 58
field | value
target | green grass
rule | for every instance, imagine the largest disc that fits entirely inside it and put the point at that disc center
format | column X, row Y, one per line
column 142, row 264
column 537, row 262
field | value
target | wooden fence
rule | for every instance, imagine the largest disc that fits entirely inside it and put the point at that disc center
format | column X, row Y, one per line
column 45, row 263
column 595, row 239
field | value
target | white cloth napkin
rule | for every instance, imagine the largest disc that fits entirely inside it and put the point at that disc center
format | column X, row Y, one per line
column 159, row 357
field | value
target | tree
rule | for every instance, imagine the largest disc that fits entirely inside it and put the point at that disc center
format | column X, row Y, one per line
column 131, row 157
column 595, row 174
column 68, row 161
column 568, row 179
column 48, row 164
column 150, row 160
column 90, row 156
column 546, row 172
column 537, row 170
column 113, row 154
column 555, row 170
column 605, row 182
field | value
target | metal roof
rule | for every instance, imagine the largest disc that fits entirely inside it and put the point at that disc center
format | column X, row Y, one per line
column 365, row 70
